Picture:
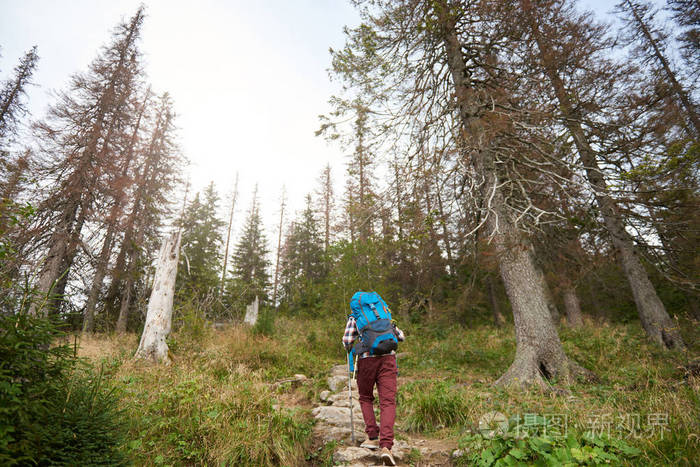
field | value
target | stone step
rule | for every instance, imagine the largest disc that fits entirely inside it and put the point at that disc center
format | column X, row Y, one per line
column 339, row 382
column 337, row 416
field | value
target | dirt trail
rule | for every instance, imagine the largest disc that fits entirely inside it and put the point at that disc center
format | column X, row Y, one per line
column 333, row 424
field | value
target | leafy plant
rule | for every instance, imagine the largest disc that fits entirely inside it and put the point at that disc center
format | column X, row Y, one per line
column 519, row 448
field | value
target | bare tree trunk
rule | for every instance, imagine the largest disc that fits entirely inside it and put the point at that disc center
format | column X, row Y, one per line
column 655, row 320
column 693, row 305
column 228, row 236
column 549, row 297
column 89, row 320
column 539, row 353
column 445, row 234
column 50, row 272
column 572, row 306
column 279, row 247
column 498, row 318
column 327, row 194
column 160, row 306
column 48, row 287
column 251, row 312
column 123, row 318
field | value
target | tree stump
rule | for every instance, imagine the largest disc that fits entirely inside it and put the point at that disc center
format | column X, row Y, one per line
column 251, row 313
column 160, row 305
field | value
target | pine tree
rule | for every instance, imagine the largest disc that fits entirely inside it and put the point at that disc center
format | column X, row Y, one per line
column 81, row 138
column 13, row 170
column 200, row 260
column 251, row 277
column 546, row 24
column 686, row 14
column 326, row 205
column 440, row 63
column 302, row 263
column 119, row 186
column 652, row 44
column 12, row 91
column 155, row 179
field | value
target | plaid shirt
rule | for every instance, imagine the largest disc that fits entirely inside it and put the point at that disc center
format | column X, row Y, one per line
column 351, row 333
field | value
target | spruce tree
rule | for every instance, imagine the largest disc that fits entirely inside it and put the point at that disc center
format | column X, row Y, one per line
column 302, row 263
column 82, row 141
column 250, row 268
column 12, row 91
column 200, row 260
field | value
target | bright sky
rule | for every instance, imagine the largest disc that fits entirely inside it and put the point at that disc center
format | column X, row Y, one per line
column 248, row 79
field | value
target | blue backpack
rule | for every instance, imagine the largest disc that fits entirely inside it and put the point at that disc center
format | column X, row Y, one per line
column 373, row 319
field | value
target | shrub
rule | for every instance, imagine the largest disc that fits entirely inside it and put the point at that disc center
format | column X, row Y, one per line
column 53, row 410
column 265, row 325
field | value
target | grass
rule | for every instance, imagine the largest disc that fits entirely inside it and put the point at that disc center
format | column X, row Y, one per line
column 215, row 403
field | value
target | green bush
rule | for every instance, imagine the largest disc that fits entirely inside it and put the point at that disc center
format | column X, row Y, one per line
column 53, row 409
column 265, row 325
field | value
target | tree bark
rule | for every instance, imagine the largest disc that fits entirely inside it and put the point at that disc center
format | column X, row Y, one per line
column 53, row 270
column 539, row 353
column 160, row 306
column 124, row 304
column 251, row 312
column 574, row 318
column 655, row 320
column 498, row 318
column 89, row 320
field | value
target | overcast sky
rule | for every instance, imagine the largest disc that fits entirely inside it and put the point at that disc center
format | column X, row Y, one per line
column 248, row 79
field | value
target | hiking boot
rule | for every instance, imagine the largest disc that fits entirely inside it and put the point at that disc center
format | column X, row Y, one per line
column 387, row 458
column 372, row 444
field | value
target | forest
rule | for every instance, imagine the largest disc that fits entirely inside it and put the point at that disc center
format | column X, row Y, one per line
column 521, row 187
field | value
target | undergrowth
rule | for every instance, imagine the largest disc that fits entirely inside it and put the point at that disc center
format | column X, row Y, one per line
column 54, row 408
column 216, row 403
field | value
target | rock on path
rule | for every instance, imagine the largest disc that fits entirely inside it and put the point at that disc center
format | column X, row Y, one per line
column 333, row 424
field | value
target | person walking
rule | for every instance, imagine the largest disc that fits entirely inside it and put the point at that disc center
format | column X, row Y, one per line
column 373, row 368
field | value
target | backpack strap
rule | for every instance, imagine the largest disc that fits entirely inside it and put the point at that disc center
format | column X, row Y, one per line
column 374, row 309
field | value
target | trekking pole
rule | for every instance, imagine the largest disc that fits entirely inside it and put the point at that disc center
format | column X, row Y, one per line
column 351, row 369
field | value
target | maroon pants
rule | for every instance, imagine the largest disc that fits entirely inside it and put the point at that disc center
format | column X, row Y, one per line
column 382, row 372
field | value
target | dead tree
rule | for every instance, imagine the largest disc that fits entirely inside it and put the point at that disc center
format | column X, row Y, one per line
column 279, row 250
column 434, row 58
column 82, row 128
column 228, row 236
column 119, row 198
column 656, row 322
column 152, row 346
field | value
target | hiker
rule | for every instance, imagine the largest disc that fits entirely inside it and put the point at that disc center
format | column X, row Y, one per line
column 371, row 322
